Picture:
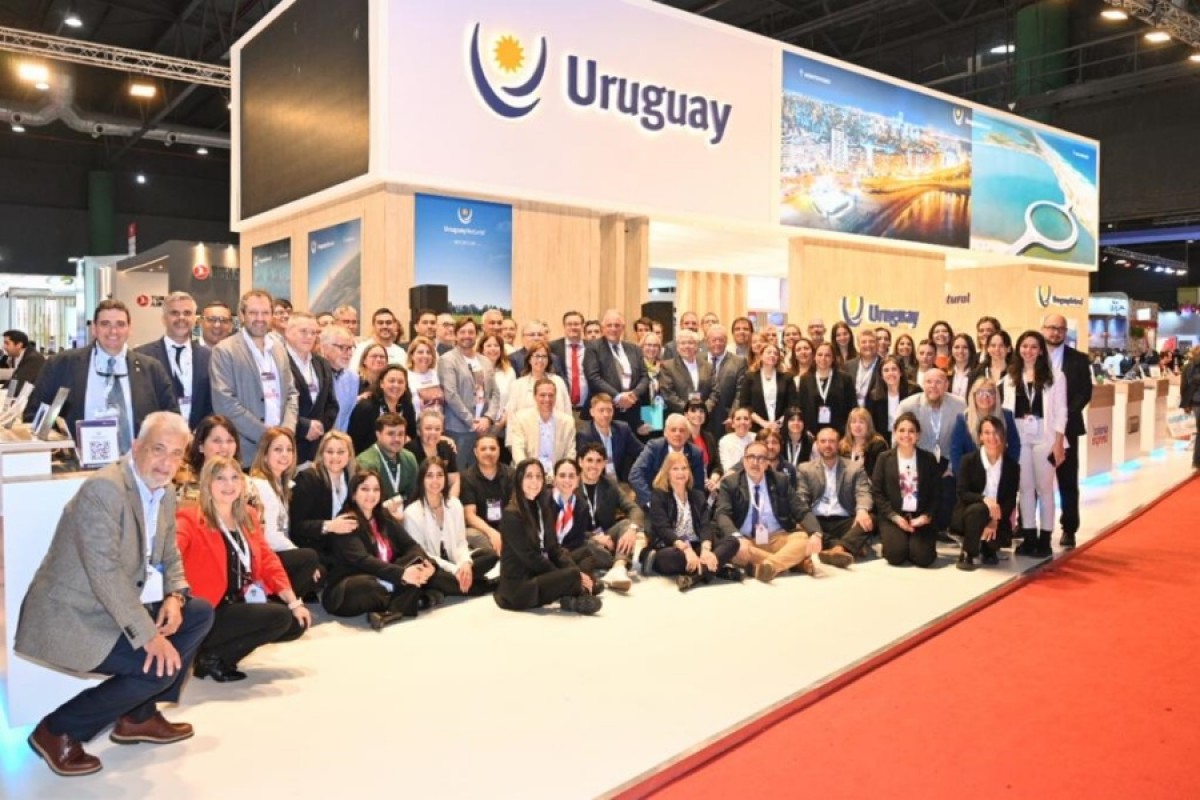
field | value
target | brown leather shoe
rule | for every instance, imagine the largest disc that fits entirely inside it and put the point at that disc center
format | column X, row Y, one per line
column 155, row 730
column 62, row 754
column 837, row 556
column 765, row 572
column 807, row 567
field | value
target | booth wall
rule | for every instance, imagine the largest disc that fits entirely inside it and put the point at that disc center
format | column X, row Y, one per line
column 1019, row 296
column 719, row 292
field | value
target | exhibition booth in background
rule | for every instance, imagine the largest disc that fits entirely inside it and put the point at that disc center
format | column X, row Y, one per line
column 524, row 156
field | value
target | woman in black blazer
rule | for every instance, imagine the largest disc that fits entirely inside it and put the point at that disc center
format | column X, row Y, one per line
column 697, row 417
column 379, row 549
column 985, row 517
column 760, row 384
column 884, row 399
column 391, row 396
column 825, row 387
column 861, row 442
column 682, row 536
column 905, row 489
column 534, row 569
column 319, row 495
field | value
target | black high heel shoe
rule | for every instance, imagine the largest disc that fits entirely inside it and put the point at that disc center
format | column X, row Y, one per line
column 210, row 666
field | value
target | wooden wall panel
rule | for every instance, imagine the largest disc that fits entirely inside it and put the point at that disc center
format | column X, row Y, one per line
column 719, row 292
column 1011, row 294
column 556, row 263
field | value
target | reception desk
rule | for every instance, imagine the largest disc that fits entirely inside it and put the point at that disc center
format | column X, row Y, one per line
column 1096, row 447
column 1154, row 414
column 1127, row 420
column 32, row 499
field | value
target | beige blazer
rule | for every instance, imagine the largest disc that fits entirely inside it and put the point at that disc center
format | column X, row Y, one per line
column 87, row 591
column 524, row 435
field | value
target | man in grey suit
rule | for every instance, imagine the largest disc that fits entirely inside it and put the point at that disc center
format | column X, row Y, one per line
column 728, row 372
column 110, row 597
column 252, row 381
column 616, row 368
column 835, row 496
column 936, row 410
column 685, row 377
column 472, row 402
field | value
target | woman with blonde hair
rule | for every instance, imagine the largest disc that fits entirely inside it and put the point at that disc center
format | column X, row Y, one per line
column 269, row 491
column 861, row 443
column 983, row 400
column 423, row 382
column 228, row 563
column 315, row 510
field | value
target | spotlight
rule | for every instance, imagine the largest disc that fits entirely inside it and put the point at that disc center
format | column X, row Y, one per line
column 145, row 90
column 201, row 151
column 18, row 127
column 33, row 73
column 1158, row 37
column 1002, row 49
column 1114, row 15
column 141, row 179
column 72, row 20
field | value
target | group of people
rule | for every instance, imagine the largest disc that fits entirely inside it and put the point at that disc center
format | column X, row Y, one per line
column 291, row 464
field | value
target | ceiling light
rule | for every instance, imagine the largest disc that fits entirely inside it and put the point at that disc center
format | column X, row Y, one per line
column 18, row 127
column 41, row 86
column 1002, row 49
column 1114, row 15
column 33, row 73
column 141, row 178
column 1158, row 37
column 72, row 20
column 201, row 151
column 1194, row 57
column 142, row 90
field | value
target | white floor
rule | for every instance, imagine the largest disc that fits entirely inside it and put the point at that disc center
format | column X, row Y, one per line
column 472, row 701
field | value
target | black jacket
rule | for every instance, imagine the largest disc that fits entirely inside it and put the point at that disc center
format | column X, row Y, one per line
column 885, row 485
column 355, row 554
column 311, row 506
column 733, row 502
column 612, row 505
column 201, row 388
column 664, row 513
column 877, row 405
column 1078, row 371
column 841, row 400
column 324, row 409
column 525, row 556
column 972, row 480
column 751, row 396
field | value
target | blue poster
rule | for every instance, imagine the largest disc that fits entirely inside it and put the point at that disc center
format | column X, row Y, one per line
column 860, row 155
column 335, row 267
column 271, row 268
column 1034, row 192
column 465, row 245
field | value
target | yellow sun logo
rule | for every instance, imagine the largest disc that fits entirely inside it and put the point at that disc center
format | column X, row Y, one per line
column 510, row 55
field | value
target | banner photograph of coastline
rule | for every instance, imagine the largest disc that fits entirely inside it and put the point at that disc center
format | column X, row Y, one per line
column 1034, row 193
column 335, row 266
column 863, row 156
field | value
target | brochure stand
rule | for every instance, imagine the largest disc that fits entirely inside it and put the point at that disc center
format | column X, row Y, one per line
column 1154, row 434
column 1127, row 438
column 1096, row 446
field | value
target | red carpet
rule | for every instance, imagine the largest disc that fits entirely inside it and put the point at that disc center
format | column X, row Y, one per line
column 1084, row 683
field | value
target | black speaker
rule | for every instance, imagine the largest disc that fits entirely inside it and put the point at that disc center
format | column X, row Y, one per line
column 663, row 313
column 435, row 297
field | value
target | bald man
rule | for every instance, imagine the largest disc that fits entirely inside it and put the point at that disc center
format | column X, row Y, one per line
column 1074, row 366
column 615, row 367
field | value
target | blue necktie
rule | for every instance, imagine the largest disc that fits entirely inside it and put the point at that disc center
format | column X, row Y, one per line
column 754, row 509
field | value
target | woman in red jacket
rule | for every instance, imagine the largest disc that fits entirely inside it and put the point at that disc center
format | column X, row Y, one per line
column 227, row 562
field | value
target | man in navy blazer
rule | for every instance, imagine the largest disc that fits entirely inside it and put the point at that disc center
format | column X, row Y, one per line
column 184, row 358
column 620, row 445
column 91, row 372
column 534, row 332
column 616, row 368
column 317, row 404
column 676, row 434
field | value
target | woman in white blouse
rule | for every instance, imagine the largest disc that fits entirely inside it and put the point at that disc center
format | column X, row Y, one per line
column 435, row 521
column 733, row 444
column 423, row 381
column 1036, row 394
column 491, row 347
column 537, row 366
column 270, row 491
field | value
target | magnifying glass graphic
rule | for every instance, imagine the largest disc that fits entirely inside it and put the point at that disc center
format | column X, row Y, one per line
column 1032, row 236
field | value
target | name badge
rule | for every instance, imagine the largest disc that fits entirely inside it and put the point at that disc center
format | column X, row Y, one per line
column 824, row 415
column 937, row 452
column 152, row 589
column 254, row 594
column 1030, row 424
column 909, row 503
column 761, row 535
column 386, row 584
column 494, row 511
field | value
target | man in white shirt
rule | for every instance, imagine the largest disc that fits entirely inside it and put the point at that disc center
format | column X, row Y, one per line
column 251, row 379
column 542, row 432
column 386, row 330
column 835, row 500
column 183, row 358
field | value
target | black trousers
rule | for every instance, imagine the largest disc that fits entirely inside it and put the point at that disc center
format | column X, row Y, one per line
column 901, row 547
column 672, row 561
column 970, row 519
column 541, row 590
column 844, row 531
column 361, row 594
column 131, row 691
column 948, row 495
column 241, row 628
column 1068, row 488
column 300, row 564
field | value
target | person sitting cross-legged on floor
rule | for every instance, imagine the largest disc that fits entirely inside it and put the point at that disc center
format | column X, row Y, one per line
column 835, row 496
column 757, row 509
column 612, row 517
column 682, row 540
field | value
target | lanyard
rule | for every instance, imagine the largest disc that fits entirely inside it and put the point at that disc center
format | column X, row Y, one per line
column 240, row 546
column 591, row 505
column 1030, row 393
column 935, row 424
column 794, row 451
column 337, row 486
column 393, row 475
column 823, row 390
column 382, row 545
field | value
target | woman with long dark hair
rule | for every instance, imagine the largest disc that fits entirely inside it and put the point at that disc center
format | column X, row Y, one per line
column 1036, row 394
column 535, row 570
column 905, row 486
column 906, row 353
column 883, row 401
column 214, row 436
column 436, row 521
column 391, row 396
column 940, row 336
column 963, row 364
column 826, row 393
column 843, row 344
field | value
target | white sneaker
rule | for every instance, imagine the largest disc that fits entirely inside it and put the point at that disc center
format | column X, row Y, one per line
column 617, row 579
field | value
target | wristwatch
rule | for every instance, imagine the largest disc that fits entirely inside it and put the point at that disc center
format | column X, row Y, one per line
column 180, row 596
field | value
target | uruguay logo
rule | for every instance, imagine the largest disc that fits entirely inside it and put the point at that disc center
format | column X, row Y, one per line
column 853, row 318
column 465, row 215
column 1044, row 295
column 312, row 247
column 511, row 102
column 960, row 116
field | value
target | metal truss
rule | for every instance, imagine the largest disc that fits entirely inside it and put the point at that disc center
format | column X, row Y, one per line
column 136, row 61
column 1164, row 15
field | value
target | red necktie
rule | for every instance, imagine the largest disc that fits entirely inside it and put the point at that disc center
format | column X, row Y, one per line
column 575, row 375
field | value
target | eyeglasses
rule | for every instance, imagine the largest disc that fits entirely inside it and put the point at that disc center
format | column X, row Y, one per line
column 345, row 348
column 985, row 393
column 756, row 458
column 1059, row 328
column 218, row 320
